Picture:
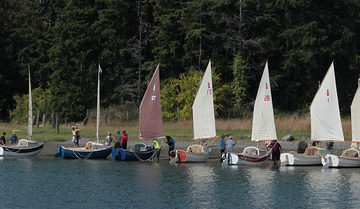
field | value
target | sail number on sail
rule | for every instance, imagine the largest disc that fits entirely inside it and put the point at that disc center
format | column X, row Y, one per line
column 209, row 90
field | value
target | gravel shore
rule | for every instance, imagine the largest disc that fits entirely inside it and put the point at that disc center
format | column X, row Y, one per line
column 51, row 147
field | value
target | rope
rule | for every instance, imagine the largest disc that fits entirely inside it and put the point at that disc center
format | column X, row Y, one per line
column 82, row 157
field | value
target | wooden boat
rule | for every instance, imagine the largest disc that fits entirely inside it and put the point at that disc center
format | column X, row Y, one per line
column 203, row 122
column 263, row 127
column 150, row 124
column 92, row 150
column 25, row 147
column 349, row 157
column 325, row 124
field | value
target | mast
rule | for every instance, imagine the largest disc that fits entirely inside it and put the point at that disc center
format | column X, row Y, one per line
column 98, row 105
column 30, row 119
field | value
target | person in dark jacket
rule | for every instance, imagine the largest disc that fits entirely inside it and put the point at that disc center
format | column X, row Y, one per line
column 171, row 142
column 276, row 150
column 3, row 140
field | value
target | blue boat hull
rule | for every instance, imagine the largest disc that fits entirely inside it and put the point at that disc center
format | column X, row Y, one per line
column 88, row 154
column 124, row 155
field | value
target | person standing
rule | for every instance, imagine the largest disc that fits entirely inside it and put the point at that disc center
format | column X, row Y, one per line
column 157, row 146
column 222, row 144
column 118, row 136
column 77, row 136
column 171, row 142
column 275, row 152
column 73, row 134
column 124, row 139
column 230, row 144
column 3, row 140
column 108, row 140
column 14, row 138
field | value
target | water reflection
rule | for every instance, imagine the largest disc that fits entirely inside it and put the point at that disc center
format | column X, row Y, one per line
column 260, row 186
column 201, row 185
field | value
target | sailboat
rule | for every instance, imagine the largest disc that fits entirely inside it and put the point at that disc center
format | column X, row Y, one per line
column 349, row 157
column 150, row 124
column 92, row 150
column 325, row 123
column 203, row 122
column 25, row 147
column 263, row 127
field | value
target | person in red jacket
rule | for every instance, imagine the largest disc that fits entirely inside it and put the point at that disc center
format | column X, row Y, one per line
column 124, row 139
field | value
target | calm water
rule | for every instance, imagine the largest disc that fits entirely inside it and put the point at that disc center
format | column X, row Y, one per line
column 46, row 182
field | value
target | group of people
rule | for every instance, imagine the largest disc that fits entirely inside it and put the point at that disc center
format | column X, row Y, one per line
column 228, row 146
column 13, row 139
column 157, row 145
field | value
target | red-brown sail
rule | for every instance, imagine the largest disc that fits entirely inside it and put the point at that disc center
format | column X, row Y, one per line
column 150, row 110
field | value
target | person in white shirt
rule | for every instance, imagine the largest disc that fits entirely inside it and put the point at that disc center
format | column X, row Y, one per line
column 230, row 144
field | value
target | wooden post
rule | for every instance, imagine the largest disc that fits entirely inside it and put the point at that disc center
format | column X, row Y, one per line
column 53, row 120
column 57, row 124
column 37, row 118
column 86, row 119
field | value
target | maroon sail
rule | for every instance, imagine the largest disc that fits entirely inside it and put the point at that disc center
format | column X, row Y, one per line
column 150, row 121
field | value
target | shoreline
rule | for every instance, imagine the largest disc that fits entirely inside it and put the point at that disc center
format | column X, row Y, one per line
column 50, row 148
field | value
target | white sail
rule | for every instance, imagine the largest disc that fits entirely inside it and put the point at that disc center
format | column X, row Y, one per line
column 30, row 116
column 203, row 108
column 324, row 111
column 98, row 105
column 355, row 117
column 263, row 127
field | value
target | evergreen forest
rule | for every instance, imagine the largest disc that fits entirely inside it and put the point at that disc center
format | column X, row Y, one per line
column 62, row 42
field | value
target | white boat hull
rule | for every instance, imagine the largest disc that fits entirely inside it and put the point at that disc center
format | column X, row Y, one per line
column 239, row 159
column 333, row 161
column 290, row 159
column 14, row 151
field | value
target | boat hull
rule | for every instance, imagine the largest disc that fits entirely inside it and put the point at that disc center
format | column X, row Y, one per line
column 125, row 155
column 71, row 153
column 240, row 159
column 289, row 159
column 181, row 156
column 333, row 161
column 22, row 151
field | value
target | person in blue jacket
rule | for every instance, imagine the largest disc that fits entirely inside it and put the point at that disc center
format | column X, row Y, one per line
column 13, row 139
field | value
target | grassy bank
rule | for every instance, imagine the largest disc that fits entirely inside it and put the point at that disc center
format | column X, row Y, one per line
column 181, row 131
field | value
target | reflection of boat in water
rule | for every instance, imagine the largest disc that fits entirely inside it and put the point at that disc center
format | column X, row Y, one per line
column 92, row 150
column 150, row 124
column 263, row 127
column 25, row 147
column 203, row 121
column 349, row 157
column 325, row 123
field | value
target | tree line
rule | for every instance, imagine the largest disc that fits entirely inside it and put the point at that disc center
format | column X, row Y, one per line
column 63, row 42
